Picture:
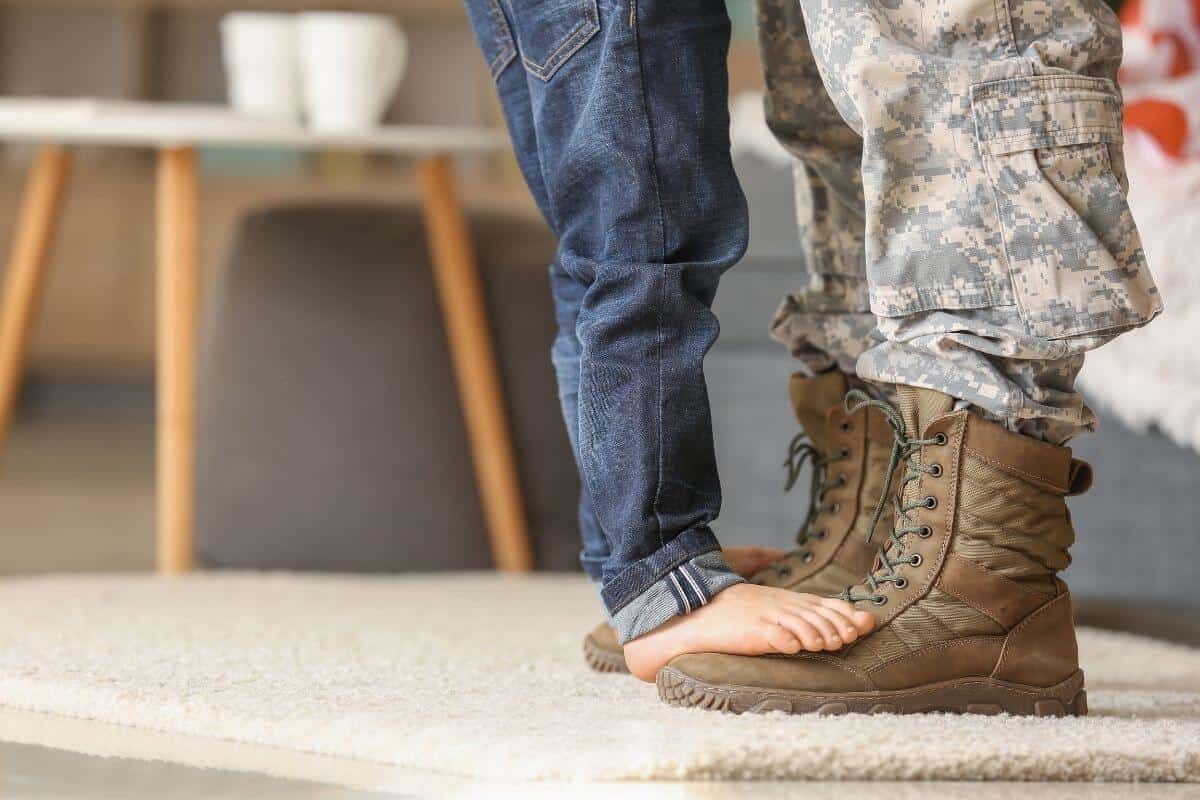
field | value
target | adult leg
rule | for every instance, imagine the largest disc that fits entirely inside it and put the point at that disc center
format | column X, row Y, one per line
column 999, row 247
column 827, row 322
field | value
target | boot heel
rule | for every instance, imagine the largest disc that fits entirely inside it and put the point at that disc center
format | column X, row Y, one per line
column 1069, row 699
column 971, row 696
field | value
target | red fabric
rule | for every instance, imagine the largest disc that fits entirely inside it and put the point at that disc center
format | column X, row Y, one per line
column 1160, row 75
column 1163, row 120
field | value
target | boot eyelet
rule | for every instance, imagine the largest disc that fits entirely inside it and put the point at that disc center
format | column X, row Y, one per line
column 935, row 470
column 842, row 479
column 900, row 583
column 821, row 534
column 784, row 572
column 808, row 557
column 931, row 502
column 845, row 452
column 846, row 427
column 925, row 532
column 940, row 439
column 916, row 560
column 835, row 508
column 879, row 600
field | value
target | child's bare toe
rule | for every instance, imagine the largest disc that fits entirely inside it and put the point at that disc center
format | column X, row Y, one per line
column 841, row 623
column 804, row 631
column 829, row 634
column 783, row 640
column 861, row 620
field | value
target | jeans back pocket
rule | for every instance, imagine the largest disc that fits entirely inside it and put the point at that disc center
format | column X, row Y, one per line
column 1074, row 254
column 551, row 31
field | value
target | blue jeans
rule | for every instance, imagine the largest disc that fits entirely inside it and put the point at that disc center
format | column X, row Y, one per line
column 618, row 112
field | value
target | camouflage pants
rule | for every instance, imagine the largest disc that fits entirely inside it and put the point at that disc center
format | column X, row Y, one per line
column 961, row 196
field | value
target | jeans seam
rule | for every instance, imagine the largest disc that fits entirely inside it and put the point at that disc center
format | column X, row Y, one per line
column 508, row 49
column 658, row 324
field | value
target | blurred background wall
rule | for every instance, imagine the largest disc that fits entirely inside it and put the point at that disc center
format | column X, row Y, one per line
column 144, row 51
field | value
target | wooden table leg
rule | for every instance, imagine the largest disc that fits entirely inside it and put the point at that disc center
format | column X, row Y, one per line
column 23, row 280
column 461, row 295
column 178, row 289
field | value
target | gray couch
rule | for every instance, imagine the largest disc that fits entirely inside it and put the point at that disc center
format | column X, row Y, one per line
column 330, row 435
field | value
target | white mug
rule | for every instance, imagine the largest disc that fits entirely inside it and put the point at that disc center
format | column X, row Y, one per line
column 350, row 65
column 261, row 70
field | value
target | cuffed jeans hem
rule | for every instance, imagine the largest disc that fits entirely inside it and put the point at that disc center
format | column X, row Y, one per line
column 623, row 585
column 682, row 590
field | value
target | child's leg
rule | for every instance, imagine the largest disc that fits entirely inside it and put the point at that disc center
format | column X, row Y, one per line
column 500, row 49
column 568, row 295
column 629, row 111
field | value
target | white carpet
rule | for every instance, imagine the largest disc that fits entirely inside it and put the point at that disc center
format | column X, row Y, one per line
column 478, row 675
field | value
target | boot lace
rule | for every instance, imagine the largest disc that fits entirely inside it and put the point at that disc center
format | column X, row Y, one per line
column 802, row 451
column 892, row 553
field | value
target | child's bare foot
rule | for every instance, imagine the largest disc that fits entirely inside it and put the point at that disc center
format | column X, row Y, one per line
column 749, row 559
column 750, row 620
column 745, row 560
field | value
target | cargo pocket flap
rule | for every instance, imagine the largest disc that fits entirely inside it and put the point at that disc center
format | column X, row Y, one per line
column 1039, row 111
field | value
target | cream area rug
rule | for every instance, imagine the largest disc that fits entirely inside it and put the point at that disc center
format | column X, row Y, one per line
column 482, row 676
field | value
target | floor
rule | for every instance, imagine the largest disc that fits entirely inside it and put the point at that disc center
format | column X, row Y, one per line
column 37, row 773
column 40, row 773
column 61, row 478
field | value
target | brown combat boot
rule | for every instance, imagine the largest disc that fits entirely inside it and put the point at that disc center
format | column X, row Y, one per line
column 970, row 614
column 602, row 650
column 849, row 460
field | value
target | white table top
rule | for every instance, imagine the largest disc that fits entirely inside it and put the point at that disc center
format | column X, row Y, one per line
column 130, row 124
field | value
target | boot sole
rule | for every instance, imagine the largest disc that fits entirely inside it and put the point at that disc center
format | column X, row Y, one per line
column 961, row 696
column 602, row 660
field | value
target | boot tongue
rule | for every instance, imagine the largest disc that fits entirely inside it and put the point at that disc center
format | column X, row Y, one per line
column 812, row 398
column 920, row 406
column 917, row 407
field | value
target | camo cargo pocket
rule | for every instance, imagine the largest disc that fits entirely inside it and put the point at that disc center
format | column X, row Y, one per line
column 1074, row 254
